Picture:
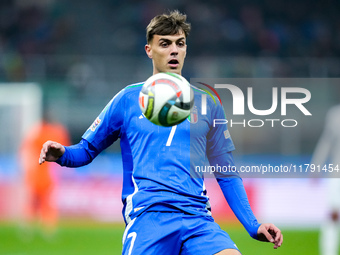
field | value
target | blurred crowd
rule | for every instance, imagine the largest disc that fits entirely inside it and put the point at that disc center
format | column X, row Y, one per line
column 281, row 28
column 252, row 28
column 29, row 28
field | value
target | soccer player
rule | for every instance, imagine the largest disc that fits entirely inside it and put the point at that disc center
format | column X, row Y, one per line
column 328, row 149
column 38, row 179
column 165, row 209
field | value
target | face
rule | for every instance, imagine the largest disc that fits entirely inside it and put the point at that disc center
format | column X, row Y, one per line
column 167, row 53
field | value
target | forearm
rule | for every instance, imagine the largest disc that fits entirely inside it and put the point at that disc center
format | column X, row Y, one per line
column 78, row 155
column 237, row 199
column 232, row 187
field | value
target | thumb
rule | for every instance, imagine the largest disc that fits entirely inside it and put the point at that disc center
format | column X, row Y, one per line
column 268, row 235
column 264, row 235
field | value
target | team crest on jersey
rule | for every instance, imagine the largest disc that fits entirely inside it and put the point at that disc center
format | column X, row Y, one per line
column 193, row 117
column 95, row 124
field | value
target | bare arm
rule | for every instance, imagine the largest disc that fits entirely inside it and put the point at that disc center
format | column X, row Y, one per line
column 51, row 152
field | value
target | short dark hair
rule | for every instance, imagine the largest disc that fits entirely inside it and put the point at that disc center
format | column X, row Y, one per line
column 167, row 24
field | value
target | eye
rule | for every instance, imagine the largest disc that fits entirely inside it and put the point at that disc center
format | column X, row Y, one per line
column 164, row 44
column 181, row 44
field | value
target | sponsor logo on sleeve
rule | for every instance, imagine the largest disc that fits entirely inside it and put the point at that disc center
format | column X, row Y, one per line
column 95, row 124
column 226, row 134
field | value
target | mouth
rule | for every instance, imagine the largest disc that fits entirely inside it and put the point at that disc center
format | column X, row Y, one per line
column 173, row 63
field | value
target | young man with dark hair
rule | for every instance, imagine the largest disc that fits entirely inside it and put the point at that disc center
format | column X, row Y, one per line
column 165, row 209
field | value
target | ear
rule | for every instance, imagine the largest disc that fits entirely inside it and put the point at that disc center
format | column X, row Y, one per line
column 148, row 50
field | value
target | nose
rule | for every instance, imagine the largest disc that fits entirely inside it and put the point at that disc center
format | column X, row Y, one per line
column 173, row 49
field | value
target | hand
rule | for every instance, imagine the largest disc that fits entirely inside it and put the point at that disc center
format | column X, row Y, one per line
column 268, row 232
column 51, row 151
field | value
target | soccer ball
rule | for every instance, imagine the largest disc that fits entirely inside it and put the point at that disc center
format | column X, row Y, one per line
column 166, row 99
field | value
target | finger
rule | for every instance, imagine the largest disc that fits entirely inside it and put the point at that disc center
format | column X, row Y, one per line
column 43, row 152
column 268, row 236
column 276, row 232
column 41, row 160
column 42, row 157
column 278, row 243
column 280, row 240
column 278, row 236
column 45, row 147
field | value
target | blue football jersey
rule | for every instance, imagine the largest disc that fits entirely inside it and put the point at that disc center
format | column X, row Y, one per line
column 158, row 161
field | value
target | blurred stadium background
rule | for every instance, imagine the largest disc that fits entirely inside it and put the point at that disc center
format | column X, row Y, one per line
column 74, row 56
